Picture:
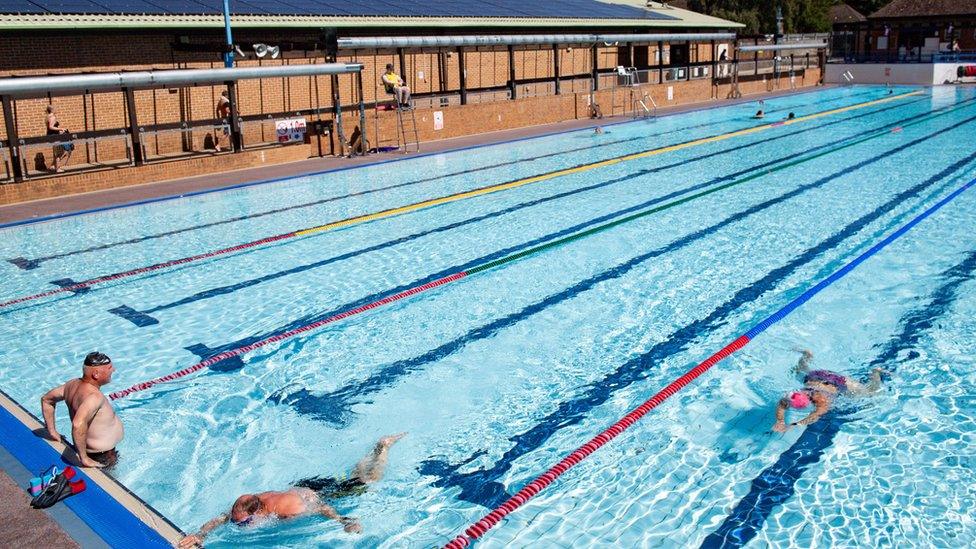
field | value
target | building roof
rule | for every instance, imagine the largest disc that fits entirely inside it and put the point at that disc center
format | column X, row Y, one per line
column 842, row 13
column 679, row 9
column 925, row 8
column 88, row 14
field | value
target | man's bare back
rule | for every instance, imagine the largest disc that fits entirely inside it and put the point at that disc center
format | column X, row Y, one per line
column 105, row 430
column 95, row 429
column 301, row 500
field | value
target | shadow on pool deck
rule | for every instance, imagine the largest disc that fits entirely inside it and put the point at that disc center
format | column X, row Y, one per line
column 174, row 188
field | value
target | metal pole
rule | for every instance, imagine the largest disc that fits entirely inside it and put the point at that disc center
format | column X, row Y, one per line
column 555, row 66
column 362, row 113
column 12, row 139
column 660, row 62
column 512, row 84
column 236, row 139
column 756, row 59
column 464, row 88
column 229, row 54
column 403, row 65
column 134, row 133
column 337, row 107
column 714, row 62
column 595, row 61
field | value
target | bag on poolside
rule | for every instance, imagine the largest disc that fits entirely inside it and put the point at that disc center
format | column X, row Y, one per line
column 60, row 487
column 40, row 482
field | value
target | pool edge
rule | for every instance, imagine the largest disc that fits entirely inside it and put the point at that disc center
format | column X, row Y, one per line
column 15, row 419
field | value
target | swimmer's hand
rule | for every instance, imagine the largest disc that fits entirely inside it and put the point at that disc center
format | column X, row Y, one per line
column 351, row 525
column 89, row 462
column 190, row 541
column 780, row 427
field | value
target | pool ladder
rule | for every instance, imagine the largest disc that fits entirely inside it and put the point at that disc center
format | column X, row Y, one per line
column 641, row 110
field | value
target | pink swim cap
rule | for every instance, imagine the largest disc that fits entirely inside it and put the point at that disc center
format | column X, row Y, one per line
column 799, row 399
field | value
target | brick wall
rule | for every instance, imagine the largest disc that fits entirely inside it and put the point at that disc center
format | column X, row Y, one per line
column 431, row 71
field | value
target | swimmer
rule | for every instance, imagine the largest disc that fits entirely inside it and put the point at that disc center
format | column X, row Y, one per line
column 791, row 116
column 598, row 130
column 305, row 497
column 759, row 114
column 820, row 388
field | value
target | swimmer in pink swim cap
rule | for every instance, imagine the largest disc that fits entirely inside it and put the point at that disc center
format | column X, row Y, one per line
column 820, row 388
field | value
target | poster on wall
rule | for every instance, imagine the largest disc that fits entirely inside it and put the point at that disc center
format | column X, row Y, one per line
column 438, row 120
column 290, row 130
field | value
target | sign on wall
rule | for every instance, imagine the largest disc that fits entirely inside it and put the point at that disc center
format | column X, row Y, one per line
column 438, row 120
column 290, row 130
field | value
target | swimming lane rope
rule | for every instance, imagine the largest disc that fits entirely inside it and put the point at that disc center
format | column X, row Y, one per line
column 487, row 522
column 441, row 200
column 481, row 268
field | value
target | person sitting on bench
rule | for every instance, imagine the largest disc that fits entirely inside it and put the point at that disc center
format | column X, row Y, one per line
column 396, row 86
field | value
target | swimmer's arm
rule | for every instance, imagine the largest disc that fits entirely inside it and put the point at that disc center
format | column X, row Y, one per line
column 350, row 524
column 780, row 424
column 48, row 403
column 814, row 415
column 79, row 429
column 197, row 539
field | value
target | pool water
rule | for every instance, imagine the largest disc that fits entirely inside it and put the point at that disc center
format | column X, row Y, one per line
column 499, row 374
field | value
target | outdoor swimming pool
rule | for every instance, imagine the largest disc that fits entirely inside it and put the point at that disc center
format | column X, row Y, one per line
column 675, row 236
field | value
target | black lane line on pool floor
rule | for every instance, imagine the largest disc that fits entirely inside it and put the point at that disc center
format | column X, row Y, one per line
column 482, row 486
column 437, row 201
column 335, row 406
column 143, row 318
column 236, row 362
column 777, row 483
column 33, row 263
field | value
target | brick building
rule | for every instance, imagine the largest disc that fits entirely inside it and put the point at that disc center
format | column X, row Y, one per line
column 552, row 82
column 911, row 30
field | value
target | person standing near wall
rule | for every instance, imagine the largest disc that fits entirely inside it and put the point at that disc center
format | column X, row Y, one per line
column 223, row 113
column 62, row 150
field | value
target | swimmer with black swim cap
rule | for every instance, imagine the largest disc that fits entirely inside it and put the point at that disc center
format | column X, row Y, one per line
column 305, row 497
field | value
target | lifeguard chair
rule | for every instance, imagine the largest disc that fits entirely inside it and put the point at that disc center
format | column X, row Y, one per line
column 406, row 124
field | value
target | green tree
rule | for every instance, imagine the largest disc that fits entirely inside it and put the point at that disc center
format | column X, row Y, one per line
column 759, row 16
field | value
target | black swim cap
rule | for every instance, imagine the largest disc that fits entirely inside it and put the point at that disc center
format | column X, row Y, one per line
column 97, row 359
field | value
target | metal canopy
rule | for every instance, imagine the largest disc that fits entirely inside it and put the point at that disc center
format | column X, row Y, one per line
column 589, row 9
column 39, row 85
column 525, row 39
column 787, row 46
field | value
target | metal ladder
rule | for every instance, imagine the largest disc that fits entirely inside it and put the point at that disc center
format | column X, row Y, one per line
column 641, row 109
column 406, row 126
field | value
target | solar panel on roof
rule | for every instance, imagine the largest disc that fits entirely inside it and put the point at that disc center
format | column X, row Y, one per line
column 19, row 6
column 391, row 8
column 72, row 6
column 130, row 6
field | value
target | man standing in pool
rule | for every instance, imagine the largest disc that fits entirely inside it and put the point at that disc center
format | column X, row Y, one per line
column 95, row 429
column 820, row 388
column 306, row 497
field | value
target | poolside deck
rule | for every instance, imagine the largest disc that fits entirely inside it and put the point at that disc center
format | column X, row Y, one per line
column 23, row 526
column 45, row 208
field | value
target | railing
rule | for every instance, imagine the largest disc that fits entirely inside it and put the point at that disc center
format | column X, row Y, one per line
column 892, row 57
column 83, row 143
column 954, row 57
column 187, row 131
